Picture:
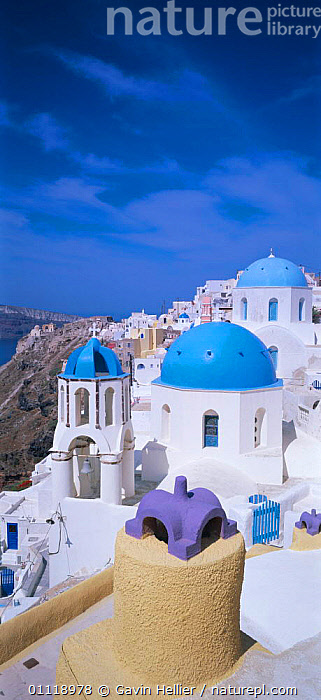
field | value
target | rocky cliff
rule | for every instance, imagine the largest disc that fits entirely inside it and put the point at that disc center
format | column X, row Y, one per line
column 28, row 399
column 15, row 321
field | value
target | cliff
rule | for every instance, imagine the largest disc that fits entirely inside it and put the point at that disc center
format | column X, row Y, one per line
column 15, row 321
column 28, row 399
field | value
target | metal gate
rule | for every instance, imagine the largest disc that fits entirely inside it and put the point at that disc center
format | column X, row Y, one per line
column 7, row 581
column 266, row 520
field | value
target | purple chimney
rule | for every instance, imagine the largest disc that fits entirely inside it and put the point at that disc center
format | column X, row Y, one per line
column 185, row 515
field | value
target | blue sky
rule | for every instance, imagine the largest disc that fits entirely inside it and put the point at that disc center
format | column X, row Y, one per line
column 136, row 167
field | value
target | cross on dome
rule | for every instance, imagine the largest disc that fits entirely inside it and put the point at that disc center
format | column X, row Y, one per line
column 271, row 253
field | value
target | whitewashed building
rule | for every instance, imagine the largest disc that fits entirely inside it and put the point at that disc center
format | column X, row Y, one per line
column 138, row 320
column 217, row 397
column 92, row 459
column 146, row 369
column 273, row 300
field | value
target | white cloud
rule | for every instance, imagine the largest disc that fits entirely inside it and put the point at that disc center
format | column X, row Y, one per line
column 244, row 206
column 185, row 85
column 45, row 127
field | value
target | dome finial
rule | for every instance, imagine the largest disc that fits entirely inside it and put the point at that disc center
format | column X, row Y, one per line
column 271, row 253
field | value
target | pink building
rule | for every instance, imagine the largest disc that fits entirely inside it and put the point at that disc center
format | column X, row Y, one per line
column 206, row 313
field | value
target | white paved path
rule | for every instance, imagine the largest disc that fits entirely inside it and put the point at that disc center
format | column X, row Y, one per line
column 280, row 604
column 16, row 678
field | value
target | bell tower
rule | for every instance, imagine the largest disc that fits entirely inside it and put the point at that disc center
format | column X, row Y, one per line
column 93, row 448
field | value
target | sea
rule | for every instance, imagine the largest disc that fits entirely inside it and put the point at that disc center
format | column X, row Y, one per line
column 7, row 349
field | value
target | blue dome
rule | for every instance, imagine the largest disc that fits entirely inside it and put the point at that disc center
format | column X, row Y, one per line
column 183, row 316
column 220, row 356
column 272, row 272
column 93, row 360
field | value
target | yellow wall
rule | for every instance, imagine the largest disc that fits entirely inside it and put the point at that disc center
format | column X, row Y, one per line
column 153, row 337
column 177, row 621
column 25, row 629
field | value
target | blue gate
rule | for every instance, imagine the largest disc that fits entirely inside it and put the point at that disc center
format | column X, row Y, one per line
column 316, row 384
column 257, row 498
column 7, row 581
column 12, row 535
column 266, row 520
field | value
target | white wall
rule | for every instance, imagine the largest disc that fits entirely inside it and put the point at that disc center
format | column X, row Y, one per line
column 288, row 309
column 108, row 438
column 236, row 411
column 292, row 353
column 92, row 527
column 150, row 370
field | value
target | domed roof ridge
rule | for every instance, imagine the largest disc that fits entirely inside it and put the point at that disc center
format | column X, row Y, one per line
column 218, row 356
column 93, row 360
column 272, row 272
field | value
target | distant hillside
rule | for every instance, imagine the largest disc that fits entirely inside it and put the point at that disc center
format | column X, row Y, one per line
column 16, row 321
column 28, row 399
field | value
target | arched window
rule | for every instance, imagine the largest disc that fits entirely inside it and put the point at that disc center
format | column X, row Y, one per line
column 244, row 309
column 62, row 403
column 210, row 429
column 82, row 406
column 301, row 309
column 273, row 310
column 260, row 428
column 109, row 405
column 166, row 417
column 126, row 403
column 140, row 366
column 274, row 355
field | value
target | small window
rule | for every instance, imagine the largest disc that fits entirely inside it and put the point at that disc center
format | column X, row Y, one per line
column 210, row 437
column 260, row 428
column 126, row 403
column 62, row 403
column 165, row 425
column 82, row 406
column 301, row 309
column 109, row 406
column 244, row 309
column 273, row 310
column 274, row 355
column 140, row 366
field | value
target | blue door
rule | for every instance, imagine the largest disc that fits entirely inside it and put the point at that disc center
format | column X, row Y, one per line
column 211, row 431
column 7, row 582
column 12, row 535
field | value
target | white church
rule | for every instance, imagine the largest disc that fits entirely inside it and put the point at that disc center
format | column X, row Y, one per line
column 217, row 398
column 216, row 416
column 273, row 300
